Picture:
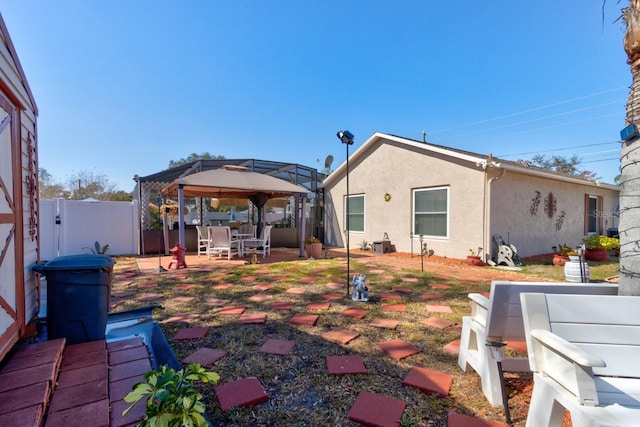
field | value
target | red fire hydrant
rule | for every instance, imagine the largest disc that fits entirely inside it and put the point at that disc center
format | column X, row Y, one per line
column 178, row 256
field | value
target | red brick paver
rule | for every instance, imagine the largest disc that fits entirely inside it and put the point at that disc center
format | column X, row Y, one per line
column 373, row 409
column 358, row 313
column 345, row 365
column 275, row 346
column 304, row 319
column 341, row 336
column 428, row 381
column 437, row 322
column 243, row 393
column 459, row 420
column 205, row 356
column 398, row 349
column 384, row 323
column 318, row 306
column 191, row 333
column 253, row 318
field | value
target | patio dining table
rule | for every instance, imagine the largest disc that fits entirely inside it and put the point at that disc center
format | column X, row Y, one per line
column 240, row 237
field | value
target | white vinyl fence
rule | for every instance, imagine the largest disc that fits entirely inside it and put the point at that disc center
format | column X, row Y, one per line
column 70, row 227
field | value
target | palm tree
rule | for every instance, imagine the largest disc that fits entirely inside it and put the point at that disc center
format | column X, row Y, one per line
column 629, row 226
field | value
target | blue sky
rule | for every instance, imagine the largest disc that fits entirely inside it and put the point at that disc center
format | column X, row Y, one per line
column 125, row 86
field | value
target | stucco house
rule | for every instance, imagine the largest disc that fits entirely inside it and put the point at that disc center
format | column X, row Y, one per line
column 459, row 200
column 18, row 197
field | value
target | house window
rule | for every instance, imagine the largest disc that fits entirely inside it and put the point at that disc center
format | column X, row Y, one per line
column 592, row 214
column 431, row 212
column 355, row 213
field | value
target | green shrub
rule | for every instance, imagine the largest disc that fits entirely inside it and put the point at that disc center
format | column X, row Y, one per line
column 171, row 398
column 601, row 242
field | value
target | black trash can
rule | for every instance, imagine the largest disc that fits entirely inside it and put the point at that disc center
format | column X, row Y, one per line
column 78, row 291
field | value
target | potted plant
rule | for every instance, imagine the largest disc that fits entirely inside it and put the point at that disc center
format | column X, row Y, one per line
column 574, row 256
column 313, row 247
column 474, row 257
column 172, row 400
column 598, row 247
column 562, row 256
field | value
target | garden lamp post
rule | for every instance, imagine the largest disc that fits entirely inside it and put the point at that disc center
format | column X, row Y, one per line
column 346, row 138
column 497, row 353
column 160, row 268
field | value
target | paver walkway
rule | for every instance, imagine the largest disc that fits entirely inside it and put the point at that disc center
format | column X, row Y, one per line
column 365, row 409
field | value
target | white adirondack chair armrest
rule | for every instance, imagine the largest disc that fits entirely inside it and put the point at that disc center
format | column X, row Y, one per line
column 480, row 299
column 566, row 349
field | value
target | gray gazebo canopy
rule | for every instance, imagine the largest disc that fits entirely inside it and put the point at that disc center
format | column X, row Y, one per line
column 303, row 179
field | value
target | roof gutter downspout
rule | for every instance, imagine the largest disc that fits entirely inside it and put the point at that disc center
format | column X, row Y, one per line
column 487, row 212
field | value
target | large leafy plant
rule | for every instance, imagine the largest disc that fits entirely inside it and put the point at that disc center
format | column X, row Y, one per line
column 172, row 400
column 601, row 242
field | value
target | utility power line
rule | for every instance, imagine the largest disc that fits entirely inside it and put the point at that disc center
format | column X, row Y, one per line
column 506, row 116
column 566, row 113
column 557, row 149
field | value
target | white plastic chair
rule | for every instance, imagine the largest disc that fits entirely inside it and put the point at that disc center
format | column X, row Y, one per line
column 221, row 242
column 261, row 245
column 203, row 239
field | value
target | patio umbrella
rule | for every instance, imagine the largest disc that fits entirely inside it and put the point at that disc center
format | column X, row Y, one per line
column 230, row 182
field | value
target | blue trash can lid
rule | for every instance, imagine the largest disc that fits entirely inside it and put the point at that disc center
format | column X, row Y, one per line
column 76, row 262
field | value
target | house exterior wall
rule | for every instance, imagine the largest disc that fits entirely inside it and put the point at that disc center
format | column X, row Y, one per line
column 398, row 169
column 21, row 172
column 520, row 212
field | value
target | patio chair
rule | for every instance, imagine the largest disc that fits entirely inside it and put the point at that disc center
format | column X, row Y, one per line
column 247, row 228
column 261, row 245
column 203, row 239
column 221, row 242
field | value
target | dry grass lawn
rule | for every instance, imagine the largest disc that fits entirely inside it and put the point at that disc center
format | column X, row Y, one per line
column 301, row 392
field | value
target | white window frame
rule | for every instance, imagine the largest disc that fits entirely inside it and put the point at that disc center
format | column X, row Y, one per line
column 364, row 213
column 447, row 212
column 593, row 216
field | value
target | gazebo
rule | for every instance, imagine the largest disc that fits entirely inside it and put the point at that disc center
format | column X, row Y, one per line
column 305, row 179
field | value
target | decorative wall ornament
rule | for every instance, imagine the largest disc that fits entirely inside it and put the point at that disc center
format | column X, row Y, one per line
column 550, row 205
column 535, row 203
column 32, row 186
column 560, row 220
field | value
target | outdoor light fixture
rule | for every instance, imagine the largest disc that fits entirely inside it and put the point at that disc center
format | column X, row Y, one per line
column 497, row 353
column 629, row 132
column 347, row 138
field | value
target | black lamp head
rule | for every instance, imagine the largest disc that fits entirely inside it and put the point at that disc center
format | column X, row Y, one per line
column 346, row 137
